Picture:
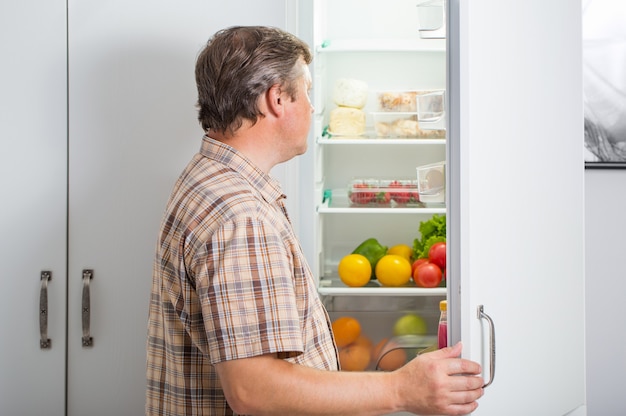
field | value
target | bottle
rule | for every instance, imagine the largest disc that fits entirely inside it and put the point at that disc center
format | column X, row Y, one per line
column 442, row 331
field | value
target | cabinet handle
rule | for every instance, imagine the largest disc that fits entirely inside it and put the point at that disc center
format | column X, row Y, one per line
column 87, row 339
column 44, row 341
column 492, row 344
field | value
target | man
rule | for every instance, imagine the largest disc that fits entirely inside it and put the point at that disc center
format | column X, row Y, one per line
column 235, row 325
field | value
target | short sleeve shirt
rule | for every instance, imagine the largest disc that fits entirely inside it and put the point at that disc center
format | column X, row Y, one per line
column 230, row 281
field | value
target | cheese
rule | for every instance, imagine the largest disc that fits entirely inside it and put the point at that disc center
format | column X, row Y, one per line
column 350, row 93
column 347, row 121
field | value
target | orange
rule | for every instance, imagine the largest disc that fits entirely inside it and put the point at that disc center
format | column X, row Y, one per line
column 354, row 357
column 401, row 250
column 363, row 340
column 355, row 270
column 387, row 358
column 346, row 330
column 393, row 270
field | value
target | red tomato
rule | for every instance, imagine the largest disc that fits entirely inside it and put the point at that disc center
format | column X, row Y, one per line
column 427, row 275
column 437, row 254
column 417, row 263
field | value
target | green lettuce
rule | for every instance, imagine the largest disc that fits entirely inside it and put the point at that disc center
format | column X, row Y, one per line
column 431, row 232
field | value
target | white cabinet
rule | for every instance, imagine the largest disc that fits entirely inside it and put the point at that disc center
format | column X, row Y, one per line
column 98, row 119
column 33, row 163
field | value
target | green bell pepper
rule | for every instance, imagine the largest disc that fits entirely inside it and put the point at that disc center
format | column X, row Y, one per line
column 373, row 251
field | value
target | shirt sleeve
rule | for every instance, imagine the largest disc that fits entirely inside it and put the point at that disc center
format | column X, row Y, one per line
column 244, row 279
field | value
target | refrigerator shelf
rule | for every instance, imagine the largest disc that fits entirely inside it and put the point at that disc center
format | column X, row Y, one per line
column 379, row 141
column 334, row 287
column 338, row 203
column 382, row 45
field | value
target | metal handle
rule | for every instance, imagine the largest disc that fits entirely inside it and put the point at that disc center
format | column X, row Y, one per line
column 87, row 339
column 492, row 344
column 44, row 341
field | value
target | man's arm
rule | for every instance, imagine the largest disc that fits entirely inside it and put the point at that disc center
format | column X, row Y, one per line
column 433, row 383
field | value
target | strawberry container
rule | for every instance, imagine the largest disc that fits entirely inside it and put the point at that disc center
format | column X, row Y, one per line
column 403, row 192
column 383, row 193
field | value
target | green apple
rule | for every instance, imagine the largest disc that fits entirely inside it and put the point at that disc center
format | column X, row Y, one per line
column 410, row 324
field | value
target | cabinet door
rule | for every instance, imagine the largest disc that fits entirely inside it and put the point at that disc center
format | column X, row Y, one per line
column 516, row 205
column 33, row 137
column 133, row 127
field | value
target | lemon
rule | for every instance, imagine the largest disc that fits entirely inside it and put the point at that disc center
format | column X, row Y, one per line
column 393, row 270
column 355, row 270
column 401, row 250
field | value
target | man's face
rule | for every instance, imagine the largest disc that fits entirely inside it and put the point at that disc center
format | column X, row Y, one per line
column 298, row 115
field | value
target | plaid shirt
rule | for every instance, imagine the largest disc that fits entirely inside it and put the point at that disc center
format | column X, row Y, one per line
column 230, row 281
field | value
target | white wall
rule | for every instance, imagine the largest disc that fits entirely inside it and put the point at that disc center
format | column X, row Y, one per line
column 605, row 291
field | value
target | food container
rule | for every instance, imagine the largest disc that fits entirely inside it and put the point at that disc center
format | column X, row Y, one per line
column 408, row 107
column 397, row 101
column 383, row 193
column 387, row 124
column 431, row 183
column 430, row 106
column 431, row 19
column 404, row 125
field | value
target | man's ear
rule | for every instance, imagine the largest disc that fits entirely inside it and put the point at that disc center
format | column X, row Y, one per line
column 275, row 100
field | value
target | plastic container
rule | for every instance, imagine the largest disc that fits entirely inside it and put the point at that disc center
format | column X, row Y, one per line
column 431, row 19
column 430, row 106
column 388, row 124
column 410, row 113
column 412, row 101
column 442, row 329
column 406, row 125
column 431, row 183
column 397, row 101
column 383, row 192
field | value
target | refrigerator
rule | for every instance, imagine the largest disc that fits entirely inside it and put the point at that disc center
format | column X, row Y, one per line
column 507, row 132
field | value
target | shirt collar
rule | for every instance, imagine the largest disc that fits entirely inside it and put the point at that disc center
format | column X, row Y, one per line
column 268, row 186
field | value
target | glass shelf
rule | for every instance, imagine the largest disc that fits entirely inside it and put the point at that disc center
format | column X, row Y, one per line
column 382, row 45
column 332, row 286
column 341, row 205
column 360, row 140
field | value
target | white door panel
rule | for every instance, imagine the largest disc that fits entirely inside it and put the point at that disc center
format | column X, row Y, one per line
column 516, row 214
column 33, row 170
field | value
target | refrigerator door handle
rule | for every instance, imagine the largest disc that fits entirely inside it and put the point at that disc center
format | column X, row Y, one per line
column 492, row 344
